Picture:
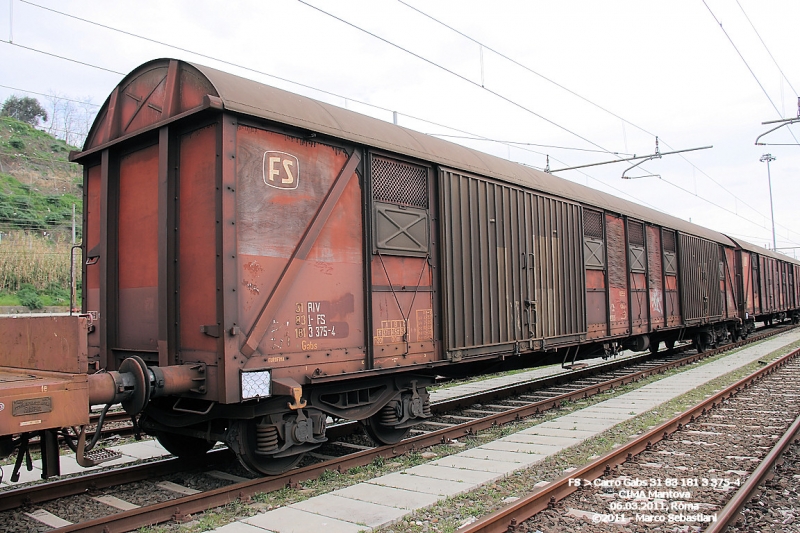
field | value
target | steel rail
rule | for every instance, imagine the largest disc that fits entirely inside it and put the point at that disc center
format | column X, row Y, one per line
column 178, row 509
column 116, row 417
column 729, row 514
column 507, row 518
column 61, row 488
column 93, row 481
column 90, row 482
column 346, row 428
column 499, row 393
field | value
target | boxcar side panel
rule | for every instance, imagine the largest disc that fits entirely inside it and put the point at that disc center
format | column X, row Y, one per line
column 655, row 277
column 672, row 300
column 512, row 265
column 617, row 276
column 91, row 277
column 197, row 230
column 637, row 270
column 747, row 300
column 700, row 276
column 402, row 266
column 594, row 258
column 729, row 282
column 137, row 318
column 283, row 182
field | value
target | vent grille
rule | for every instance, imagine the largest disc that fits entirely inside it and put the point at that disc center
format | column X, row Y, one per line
column 399, row 183
column 636, row 233
column 668, row 238
column 592, row 224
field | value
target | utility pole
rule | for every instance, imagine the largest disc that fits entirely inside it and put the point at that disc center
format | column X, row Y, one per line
column 72, row 266
column 768, row 158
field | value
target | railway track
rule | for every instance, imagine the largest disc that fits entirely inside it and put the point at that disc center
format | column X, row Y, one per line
column 454, row 419
column 776, row 507
column 682, row 471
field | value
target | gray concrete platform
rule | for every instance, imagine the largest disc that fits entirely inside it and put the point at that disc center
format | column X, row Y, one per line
column 542, row 450
column 472, row 468
column 350, row 510
column 573, row 423
column 471, row 463
column 545, row 440
column 494, row 454
column 239, row 527
column 382, row 495
column 549, row 431
column 605, row 414
column 448, row 473
column 292, row 520
column 409, row 481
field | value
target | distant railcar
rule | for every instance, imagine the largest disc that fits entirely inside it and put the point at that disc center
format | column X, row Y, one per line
column 257, row 263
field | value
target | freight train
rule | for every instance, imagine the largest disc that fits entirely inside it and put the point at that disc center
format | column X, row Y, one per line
column 257, row 263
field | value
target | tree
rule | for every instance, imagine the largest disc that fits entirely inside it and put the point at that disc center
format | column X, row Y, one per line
column 70, row 120
column 25, row 109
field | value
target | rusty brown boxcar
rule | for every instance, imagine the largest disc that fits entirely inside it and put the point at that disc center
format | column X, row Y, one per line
column 257, row 263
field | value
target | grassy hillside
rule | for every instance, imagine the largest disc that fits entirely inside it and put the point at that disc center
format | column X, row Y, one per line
column 38, row 187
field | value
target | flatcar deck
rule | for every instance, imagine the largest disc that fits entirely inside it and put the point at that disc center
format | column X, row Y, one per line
column 33, row 400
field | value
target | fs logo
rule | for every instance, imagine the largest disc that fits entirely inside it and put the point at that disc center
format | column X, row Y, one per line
column 281, row 170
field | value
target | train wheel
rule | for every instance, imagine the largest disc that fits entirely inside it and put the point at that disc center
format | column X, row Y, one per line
column 654, row 347
column 183, row 445
column 260, row 463
column 382, row 434
column 379, row 427
column 700, row 343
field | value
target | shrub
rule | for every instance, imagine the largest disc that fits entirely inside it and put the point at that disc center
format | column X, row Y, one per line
column 17, row 143
column 29, row 297
column 58, row 293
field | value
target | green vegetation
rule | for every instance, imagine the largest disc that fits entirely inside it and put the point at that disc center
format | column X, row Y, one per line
column 27, row 209
column 25, row 109
column 38, row 188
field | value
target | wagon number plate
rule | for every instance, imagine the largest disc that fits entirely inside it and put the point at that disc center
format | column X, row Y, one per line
column 32, row 406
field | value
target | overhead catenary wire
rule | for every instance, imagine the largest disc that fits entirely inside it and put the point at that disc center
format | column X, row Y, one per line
column 433, row 63
column 483, row 45
column 520, row 143
column 472, row 135
column 243, row 67
column 54, row 96
column 746, row 64
column 343, row 97
column 766, row 48
column 456, row 74
column 61, row 57
column 299, row 84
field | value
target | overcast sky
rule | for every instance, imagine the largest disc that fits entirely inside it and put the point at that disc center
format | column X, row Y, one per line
column 601, row 77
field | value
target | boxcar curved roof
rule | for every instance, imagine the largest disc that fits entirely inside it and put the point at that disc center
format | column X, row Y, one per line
column 241, row 95
column 253, row 98
column 744, row 245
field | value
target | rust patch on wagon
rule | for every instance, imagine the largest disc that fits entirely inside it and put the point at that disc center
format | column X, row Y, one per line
column 254, row 267
column 250, row 286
